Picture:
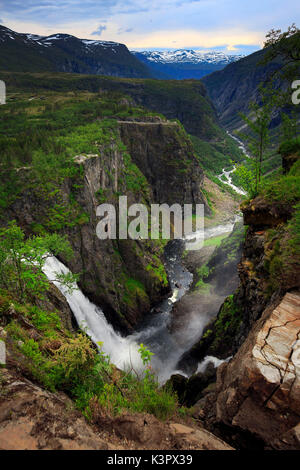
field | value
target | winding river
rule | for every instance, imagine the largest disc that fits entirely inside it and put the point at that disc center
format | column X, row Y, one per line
column 225, row 176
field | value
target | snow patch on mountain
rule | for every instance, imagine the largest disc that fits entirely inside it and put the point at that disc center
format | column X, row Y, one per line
column 46, row 41
column 188, row 56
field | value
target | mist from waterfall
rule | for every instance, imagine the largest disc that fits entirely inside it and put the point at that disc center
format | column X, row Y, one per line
column 167, row 345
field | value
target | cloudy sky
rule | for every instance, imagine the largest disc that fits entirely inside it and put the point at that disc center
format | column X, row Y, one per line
column 230, row 25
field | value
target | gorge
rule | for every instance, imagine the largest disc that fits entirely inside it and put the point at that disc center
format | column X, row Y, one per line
column 157, row 346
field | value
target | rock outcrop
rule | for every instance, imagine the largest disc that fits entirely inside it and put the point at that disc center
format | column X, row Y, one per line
column 259, row 389
column 32, row 418
column 256, row 401
column 260, row 213
column 166, row 157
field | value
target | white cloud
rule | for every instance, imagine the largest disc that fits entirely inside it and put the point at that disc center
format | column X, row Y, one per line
column 99, row 30
column 141, row 23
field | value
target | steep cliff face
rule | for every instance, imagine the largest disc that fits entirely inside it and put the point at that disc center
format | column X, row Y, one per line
column 233, row 88
column 124, row 277
column 267, row 269
column 164, row 154
column 258, row 391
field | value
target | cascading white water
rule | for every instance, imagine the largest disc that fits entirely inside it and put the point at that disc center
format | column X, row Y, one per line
column 241, row 145
column 227, row 175
column 210, row 359
column 123, row 352
column 155, row 334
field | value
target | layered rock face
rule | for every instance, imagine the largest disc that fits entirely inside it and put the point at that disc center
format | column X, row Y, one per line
column 166, row 157
column 259, row 390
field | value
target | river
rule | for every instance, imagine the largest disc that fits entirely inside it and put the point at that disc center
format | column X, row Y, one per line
column 225, row 176
column 154, row 332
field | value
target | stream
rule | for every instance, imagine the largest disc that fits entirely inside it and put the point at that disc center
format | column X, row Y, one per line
column 225, row 176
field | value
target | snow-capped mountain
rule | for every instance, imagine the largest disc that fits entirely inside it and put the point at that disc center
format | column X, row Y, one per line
column 190, row 56
column 185, row 63
column 66, row 53
column 46, row 41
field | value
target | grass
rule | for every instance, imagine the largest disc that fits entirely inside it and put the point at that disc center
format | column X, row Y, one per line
column 215, row 241
column 214, row 156
column 60, row 360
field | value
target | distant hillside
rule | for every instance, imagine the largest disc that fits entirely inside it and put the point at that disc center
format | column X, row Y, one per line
column 233, row 88
column 237, row 85
column 184, row 63
column 66, row 53
column 186, row 101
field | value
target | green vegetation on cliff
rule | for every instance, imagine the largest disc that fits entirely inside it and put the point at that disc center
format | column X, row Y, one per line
column 59, row 360
column 218, row 337
column 185, row 101
column 214, row 156
column 39, row 139
column 283, row 242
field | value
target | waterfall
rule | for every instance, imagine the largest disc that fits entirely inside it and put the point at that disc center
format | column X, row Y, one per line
column 155, row 333
column 123, row 352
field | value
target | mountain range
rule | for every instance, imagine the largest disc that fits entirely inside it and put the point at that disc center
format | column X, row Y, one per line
column 65, row 53
column 233, row 88
column 20, row 52
column 185, row 63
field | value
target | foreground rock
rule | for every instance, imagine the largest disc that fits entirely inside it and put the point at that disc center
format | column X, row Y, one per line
column 32, row 418
column 259, row 390
column 190, row 390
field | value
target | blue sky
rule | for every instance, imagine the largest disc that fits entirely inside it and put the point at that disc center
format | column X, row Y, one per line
column 234, row 26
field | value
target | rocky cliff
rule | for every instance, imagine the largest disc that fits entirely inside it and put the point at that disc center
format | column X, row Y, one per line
column 166, row 157
column 233, row 88
column 257, row 391
column 124, row 277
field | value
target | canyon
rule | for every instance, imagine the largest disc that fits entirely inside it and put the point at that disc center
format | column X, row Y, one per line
column 222, row 322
